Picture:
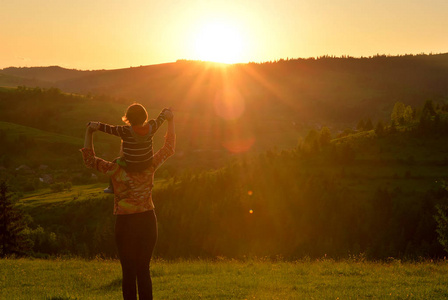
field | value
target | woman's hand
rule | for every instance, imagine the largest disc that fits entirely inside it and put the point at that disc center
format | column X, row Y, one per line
column 93, row 126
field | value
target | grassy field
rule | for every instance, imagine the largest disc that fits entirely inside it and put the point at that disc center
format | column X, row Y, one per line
column 228, row 279
column 15, row 130
column 45, row 197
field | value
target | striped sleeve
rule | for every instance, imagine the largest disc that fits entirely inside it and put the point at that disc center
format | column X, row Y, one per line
column 154, row 125
column 120, row 131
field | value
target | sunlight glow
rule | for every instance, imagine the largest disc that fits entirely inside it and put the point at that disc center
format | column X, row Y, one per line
column 229, row 104
column 239, row 145
column 219, row 41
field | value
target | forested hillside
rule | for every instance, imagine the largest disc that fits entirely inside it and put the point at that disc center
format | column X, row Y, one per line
column 378, row 192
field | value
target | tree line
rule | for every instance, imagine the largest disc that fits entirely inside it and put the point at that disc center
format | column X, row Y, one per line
column 271, row 206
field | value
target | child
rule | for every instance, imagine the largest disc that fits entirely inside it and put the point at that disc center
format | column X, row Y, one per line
column 136, row 138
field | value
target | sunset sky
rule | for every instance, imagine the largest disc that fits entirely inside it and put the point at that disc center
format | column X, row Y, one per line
column 110, row 34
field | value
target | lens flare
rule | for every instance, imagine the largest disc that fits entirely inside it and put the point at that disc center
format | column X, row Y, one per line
column 250, row 193
column 229, row 104
column 239, row 145
column 251, row 211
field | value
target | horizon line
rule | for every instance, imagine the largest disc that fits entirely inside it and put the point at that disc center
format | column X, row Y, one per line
column 326, row 56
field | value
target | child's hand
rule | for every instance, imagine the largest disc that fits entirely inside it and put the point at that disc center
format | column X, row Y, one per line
column 94, row 126
column 168, row 114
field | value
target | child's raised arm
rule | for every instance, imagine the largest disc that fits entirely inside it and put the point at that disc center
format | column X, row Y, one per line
column 154, row 125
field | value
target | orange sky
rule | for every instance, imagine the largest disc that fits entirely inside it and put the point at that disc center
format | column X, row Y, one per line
column 111, row 34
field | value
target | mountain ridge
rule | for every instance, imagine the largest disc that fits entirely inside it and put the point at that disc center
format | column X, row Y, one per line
column 335, row 89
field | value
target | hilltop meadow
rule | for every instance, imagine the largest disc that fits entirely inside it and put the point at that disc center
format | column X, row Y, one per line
column 285, row 173
column 228, row 279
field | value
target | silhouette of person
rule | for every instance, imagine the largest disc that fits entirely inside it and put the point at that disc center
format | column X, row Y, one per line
column 136, row 223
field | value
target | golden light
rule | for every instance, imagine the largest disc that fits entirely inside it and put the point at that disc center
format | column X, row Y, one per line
column 219, row 41
column 251, row 211
column 229, row 104
column 239, row 145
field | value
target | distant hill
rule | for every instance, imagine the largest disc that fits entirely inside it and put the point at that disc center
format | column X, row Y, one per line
column 13, row 81
column 203, row 139
column 26, row 145
column 325, row 90
column 14, row 131
column 51, row 74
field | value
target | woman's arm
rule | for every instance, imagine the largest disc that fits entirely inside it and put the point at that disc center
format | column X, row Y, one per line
column 90, row 160
column 88, row 140
column 170, row 117
column 170, row 142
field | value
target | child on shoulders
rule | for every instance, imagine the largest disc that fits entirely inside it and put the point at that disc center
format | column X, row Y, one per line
column 136, row 138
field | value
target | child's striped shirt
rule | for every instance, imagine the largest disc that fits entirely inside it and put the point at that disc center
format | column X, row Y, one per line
column 136, row 142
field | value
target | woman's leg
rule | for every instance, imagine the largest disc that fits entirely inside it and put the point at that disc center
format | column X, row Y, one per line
column 136, row 236
column 147, row 242
column 126, row 245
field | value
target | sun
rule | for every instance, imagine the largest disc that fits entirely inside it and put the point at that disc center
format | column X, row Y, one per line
column 219, row 41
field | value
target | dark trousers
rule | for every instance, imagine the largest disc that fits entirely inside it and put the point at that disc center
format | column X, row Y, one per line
column 136, row 236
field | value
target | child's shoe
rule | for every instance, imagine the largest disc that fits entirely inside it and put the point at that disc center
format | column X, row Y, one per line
column 109, row 189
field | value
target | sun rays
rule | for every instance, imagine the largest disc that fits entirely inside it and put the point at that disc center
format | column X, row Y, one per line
column 220, row 94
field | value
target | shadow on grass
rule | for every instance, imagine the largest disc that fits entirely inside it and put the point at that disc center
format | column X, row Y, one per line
column 113, row 285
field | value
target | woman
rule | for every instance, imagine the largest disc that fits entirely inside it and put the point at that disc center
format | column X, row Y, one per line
column 136, row 223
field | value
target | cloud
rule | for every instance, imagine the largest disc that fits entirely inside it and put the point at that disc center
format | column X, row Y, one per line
column 23, row 59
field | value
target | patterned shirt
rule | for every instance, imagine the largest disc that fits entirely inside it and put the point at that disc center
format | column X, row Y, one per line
column 133, row 190
column 137, row 141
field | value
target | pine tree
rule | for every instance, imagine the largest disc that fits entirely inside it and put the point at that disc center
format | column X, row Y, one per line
column 429, row 108
column 408, row 115
column 12, row 225
column 361, row 125
column 393, row 127
column 369, row 125
column 324, row 136
column 442, row 225
column 398, row 112
column 379, row 129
